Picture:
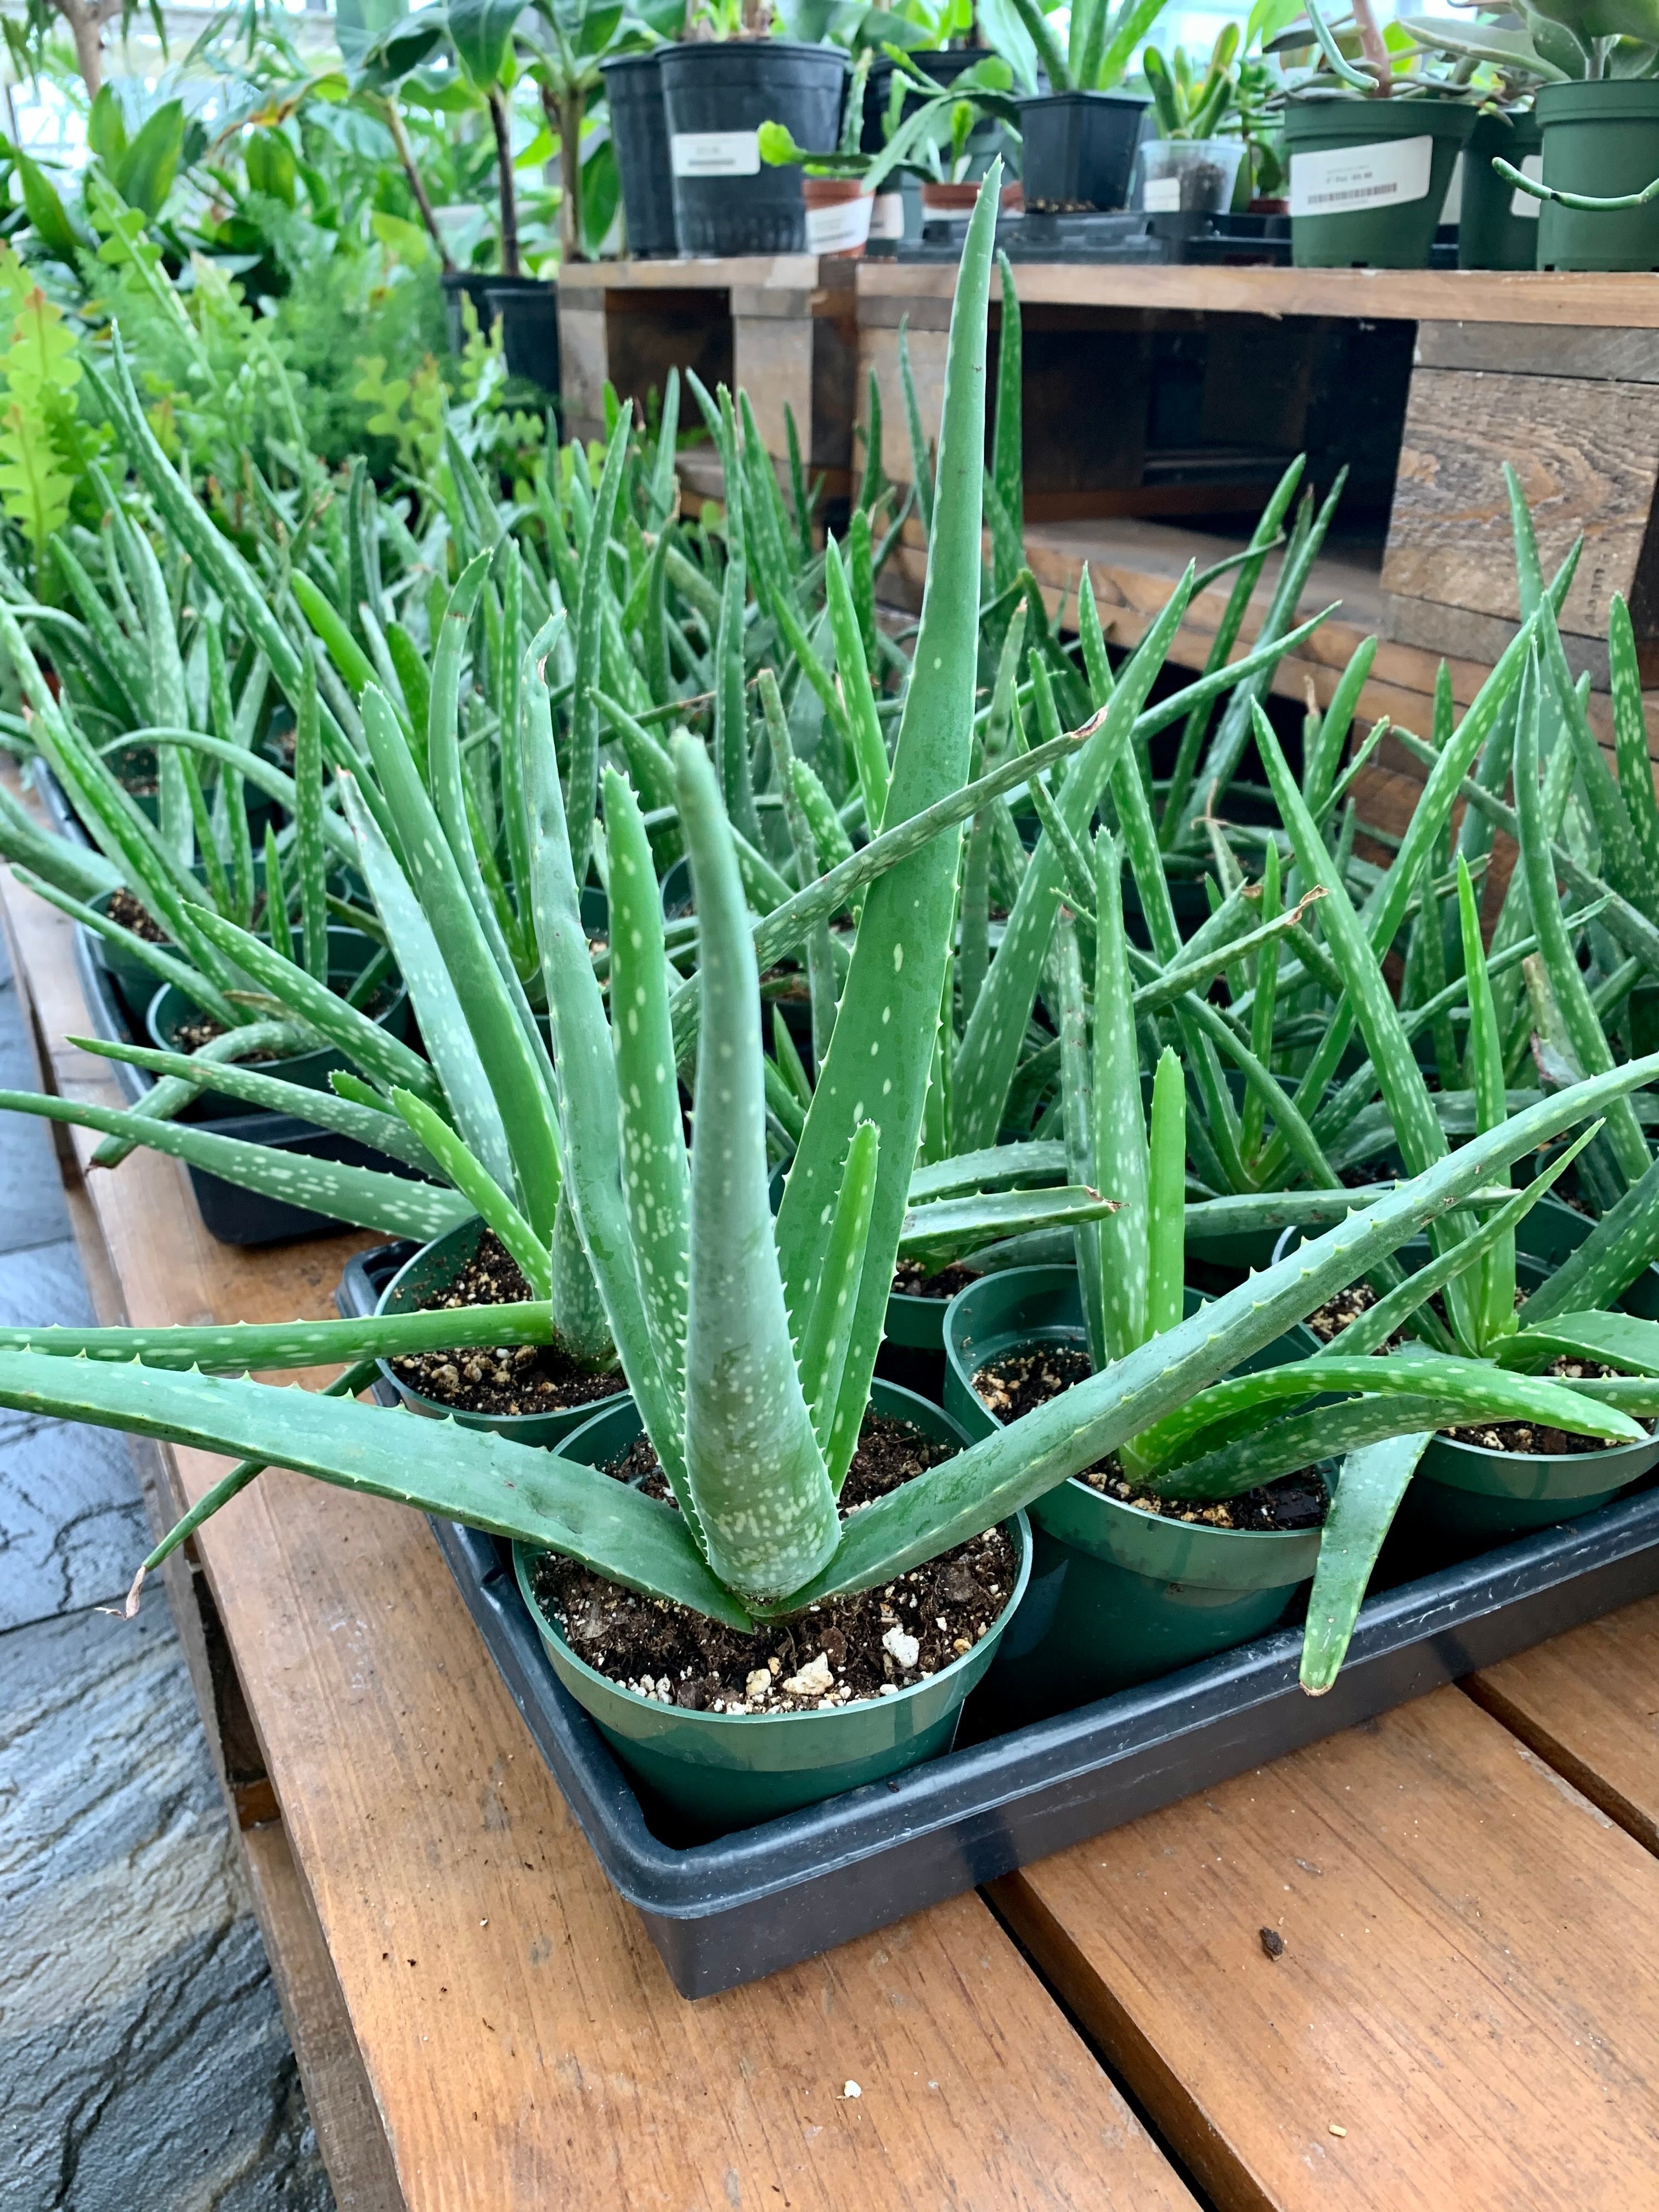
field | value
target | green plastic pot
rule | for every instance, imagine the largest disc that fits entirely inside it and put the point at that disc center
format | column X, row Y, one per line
column 1391, row 233
column 1490, row 232
column 912, row 1352
column 433, row 1269
column 349, row 953
column 1600, row 138
column 712, row 1772
column 1117, row 1596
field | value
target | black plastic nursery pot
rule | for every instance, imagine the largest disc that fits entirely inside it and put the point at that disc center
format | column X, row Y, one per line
column 708, row 1773
column 432, row 1270
column 1118, row 1596
column 638, row 132
column 1497, row 225
column 459, row 284
column 234, row 1216
column 349, row 953
column 764, row 1897
column 1080, row 148
column 1368, row 178
column 1600, row 138
column 528, row 311
column 727, row 200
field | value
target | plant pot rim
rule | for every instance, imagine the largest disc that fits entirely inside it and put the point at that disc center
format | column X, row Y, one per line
column 1364, row 119
column 1019, row 1526
column 1138, row 100
column 832, row 191
column 688, row 51
column 1591, row 100
column 505, row 1425
column 620, row 64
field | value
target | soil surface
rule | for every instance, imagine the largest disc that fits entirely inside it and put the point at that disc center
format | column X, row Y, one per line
column 842, row 1651
column 1025, row 1380
column 202, row 1029
column 909, row 1281
column 1340, row 1312
column 133, row 914
column 533, row 1379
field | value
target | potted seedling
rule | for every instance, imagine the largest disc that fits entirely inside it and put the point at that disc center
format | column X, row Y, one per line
column 1190, row 168
column 1496, row 222
column 1080, row 135
column 724, row 79
column 843, row 189
column 1371, row 148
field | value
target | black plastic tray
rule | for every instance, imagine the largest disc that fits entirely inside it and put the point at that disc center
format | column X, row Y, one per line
column 724, row 1912
column 1129, row 238
column 232, row 1214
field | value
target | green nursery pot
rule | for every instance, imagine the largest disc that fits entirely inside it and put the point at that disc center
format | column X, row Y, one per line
column 713, row 1772
column 349, row 953
column 1601, row 137
column 1491, row 233
column 1366, row 162
column 1117, row 1596
column 433, row 1268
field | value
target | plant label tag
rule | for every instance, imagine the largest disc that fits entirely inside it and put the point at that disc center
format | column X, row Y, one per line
column 1355, row 178
column 887, row 215
column 1162, row 195
column 1523, row 204
column 840, row 227
column 716, row 153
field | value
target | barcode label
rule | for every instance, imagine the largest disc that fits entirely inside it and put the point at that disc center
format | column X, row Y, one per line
column 1388, row 173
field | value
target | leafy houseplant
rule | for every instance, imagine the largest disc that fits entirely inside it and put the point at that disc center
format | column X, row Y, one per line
column 1190, row 168
column 1080, row 135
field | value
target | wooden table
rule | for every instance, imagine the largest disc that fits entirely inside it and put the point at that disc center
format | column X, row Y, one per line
column 1463, row 2017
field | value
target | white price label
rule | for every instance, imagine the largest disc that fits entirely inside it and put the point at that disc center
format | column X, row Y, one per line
column 1523, row 204
column 839, row 226
column 1162, row 195
column 887, row 215
column 716, row 153
column 1385, row 174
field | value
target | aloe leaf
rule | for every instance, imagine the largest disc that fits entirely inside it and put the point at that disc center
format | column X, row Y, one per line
column 731, row 706
column 1007, row 456
column 655, row 1176
column 982, row 1170
column 939, row 1232
column 156, row 957
column 1120, row 1158
column 921, row 465
column 858, row 700
column 584, row 786
column 510, row 1490
column 264, row 775
column 80, row 871
column 1476, row 1390
column 1555, row 950
column 1369, row 1490
column 764, row 1496
column 990, row 1047
column 1167, row 1185
column 1319, row 773
column 1004, row 1472
column 1251, row 1119
column 822, row 978
column 328, row 1109
column 485, row 1194
column 1076, row 1095
column 1620, row 1341
column 1621, row 859
column 1623, row 1243
column 371, row 1048
column 363, row 1196
column 513, row 1066
column 882, row 1053
column 354, row 665
column 823, row 1363
column 1378, row 1324
column 586, row 1058
column 443, row 1026
column 171, row 1095
column 1630, row 739
column 1485, row 1063
column 255, row 1347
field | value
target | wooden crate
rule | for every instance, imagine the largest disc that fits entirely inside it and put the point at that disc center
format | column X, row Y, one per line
column 781, row 327
column 1160, row 403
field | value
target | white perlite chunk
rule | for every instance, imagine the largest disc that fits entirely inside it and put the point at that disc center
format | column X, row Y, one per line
column 758, row 1686
column 813, row 1679
column 904, row 1649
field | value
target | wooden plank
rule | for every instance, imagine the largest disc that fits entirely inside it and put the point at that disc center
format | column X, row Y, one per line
column 1586, row 453
column 799, row 272
column 1463, row 2014
column 1540, row 349
column 337, row 2095
column 1372, row 294
column 520, row 2039
column 1588, row 1703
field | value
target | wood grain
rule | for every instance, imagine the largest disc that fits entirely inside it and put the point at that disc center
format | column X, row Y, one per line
column 520, row 2039
column 1588, row 1703
column 1376, row 294
column 1586, row 453
column 1540, row 349
column 1465, row 1988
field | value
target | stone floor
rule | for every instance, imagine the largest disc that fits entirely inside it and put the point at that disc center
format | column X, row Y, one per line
column 143, row 2062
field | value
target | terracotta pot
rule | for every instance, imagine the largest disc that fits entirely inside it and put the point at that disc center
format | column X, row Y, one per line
column 960, row 199
column 838, row 210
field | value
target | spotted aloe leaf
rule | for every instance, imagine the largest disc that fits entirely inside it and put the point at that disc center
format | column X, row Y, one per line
column 881, row 1055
